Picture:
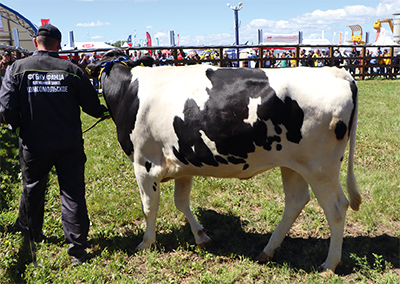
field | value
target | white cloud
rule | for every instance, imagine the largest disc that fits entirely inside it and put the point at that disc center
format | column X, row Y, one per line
column 319, row 20
column 97, row 37
column 93, row 24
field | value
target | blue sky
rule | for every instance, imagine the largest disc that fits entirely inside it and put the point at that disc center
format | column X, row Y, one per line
column 203, row 22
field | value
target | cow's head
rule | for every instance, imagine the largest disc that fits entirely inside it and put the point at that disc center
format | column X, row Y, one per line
column 115, row 56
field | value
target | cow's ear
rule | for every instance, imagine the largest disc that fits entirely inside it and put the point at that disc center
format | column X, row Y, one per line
column 93, row 70
column 144, row 61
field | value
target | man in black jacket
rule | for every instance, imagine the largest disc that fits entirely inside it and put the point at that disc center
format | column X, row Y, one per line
column 40, row 100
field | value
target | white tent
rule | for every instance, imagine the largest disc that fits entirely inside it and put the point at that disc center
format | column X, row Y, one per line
column 88, row 46
column 384, row 39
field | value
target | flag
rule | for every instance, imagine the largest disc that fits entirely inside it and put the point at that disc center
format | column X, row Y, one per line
column 130, row 40
column 149, row 43
column 340, row 38
column 45, row 21
column 134, row 38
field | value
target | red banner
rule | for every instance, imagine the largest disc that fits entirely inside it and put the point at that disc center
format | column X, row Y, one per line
column 149, row 43
column 45, row 21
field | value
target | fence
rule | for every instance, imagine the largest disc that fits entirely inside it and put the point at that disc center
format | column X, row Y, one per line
column 360, row 67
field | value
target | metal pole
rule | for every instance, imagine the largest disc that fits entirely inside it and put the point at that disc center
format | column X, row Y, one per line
column 237, row 25
column 236, row 12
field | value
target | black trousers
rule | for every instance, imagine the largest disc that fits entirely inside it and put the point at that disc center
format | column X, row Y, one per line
column 70, row 168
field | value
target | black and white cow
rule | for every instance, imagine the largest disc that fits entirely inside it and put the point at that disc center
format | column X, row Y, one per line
column 180, row 122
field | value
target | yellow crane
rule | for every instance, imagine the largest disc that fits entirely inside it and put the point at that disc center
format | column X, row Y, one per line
column 356, row 34
column 378, row 24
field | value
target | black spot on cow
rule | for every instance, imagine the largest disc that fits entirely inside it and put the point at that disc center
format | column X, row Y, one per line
column 236, row 161
column 154, row 188
column 246, row 166
column 223, row 118
column 340, row 130
column 180, row 156
column 148, row 166
column 122, row 100
column 354, row 91
column 221, row 160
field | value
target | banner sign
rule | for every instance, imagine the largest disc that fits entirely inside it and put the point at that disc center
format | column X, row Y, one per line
column 45, row 21
column 149, row 42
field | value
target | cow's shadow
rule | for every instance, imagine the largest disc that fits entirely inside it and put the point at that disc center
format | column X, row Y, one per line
column 229, row 239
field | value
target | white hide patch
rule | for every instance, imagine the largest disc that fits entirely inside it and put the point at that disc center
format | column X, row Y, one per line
column 253, row 105
column 210, row 144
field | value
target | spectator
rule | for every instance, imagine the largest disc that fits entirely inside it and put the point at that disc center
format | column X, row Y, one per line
column 338, row 60
column 171, row 57
column 71, row 59
column 367, row 60
column 163, row 59
column 95, row 81
column 346, row 60
column 317, row 54
column 292, row 62
column 134, row 56
column 310, row 61
column 396, row 63
column 226, row 63
column 181, row 56
column 375, row 60
column 386, row 62
column 354, row 54
column 269, row 59
column 93, row 58
column 83, row 62
column 6, row 61
column 138, row 55
column 196, row 55
column 303, row 60
column 207, row 57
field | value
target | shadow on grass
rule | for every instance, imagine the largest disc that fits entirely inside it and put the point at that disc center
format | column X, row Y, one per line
column 229, row 238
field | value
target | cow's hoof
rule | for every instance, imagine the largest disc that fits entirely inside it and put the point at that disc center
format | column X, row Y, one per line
column 327, row 270
column 203, row 241
column 142, row 246
column 264, row 257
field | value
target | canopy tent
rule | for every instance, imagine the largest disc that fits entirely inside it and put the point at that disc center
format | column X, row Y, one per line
column 92, row 45
column 384, row 39
column 16, row 31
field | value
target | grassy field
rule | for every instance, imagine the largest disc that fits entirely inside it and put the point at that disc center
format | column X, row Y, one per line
column 241, row 216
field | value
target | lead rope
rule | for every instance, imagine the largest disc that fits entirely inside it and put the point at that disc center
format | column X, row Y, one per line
column 94, row 124
column 105, row 67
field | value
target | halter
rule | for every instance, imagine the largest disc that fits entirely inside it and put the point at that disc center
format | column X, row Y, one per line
column 106, row 66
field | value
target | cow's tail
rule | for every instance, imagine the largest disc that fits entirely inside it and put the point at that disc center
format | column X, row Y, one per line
column 352, row 188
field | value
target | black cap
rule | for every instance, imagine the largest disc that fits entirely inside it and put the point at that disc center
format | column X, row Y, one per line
column 50, row 31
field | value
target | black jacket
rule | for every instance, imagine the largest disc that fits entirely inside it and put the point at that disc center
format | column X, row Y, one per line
column 42, row 96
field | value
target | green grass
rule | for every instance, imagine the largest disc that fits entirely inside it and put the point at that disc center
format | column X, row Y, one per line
column 241, row 216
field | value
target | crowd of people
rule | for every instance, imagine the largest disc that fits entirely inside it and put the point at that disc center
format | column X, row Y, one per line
column 376, row 62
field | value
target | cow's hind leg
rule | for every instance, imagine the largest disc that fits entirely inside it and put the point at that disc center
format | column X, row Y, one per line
column 296, row 196
column 183, row 187
column 334, row 203
column 150, row 196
